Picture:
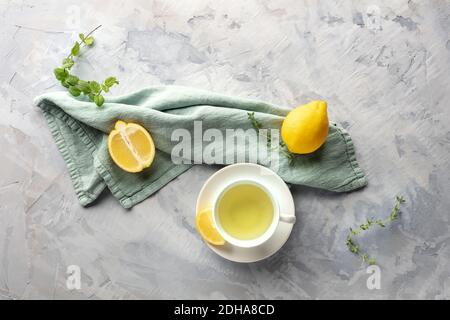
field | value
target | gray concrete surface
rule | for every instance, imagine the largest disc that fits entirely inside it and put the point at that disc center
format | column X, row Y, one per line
column 383, row 66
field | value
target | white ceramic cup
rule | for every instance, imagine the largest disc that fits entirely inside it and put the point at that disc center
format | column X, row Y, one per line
column 277, row 217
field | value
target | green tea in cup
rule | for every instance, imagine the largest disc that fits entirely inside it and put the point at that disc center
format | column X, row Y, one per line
column 245, row 211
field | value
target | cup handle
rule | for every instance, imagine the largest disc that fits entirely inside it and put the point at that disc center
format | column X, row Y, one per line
column 287, row 219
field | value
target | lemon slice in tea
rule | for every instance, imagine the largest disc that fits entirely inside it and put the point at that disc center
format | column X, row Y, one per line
column 205, row 226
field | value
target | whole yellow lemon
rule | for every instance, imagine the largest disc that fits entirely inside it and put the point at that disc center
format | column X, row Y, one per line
column 305, row 128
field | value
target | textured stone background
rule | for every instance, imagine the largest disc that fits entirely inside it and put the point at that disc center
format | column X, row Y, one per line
column 383, row 66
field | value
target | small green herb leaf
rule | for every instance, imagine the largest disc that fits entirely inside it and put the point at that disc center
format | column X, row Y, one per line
column 74, row 91
column 75, row 49
column 64, row 83
column 380, row 223
column 84, row 86
column 371, row 261
column 81, row 35
column 99, row 100
column 109, row 82
column 95, row 86
column 72, row 80
column 67, row 63
column 89, row 41
column 60, row 73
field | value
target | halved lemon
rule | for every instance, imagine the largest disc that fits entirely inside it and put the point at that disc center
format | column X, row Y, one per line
column 205, row 226
column 131, row 147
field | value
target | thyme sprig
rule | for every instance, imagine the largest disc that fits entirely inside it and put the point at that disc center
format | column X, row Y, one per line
column 283, row 148
column 76, row 86
column 350, row 241
column 255, row 123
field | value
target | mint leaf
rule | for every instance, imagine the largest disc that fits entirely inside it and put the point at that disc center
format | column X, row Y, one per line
column 110, row 81
column 68, row 63
column 64, row 83
column 60, row 73
column 99, row 100
column 72, row 80
column 84, row 86
column 74, row 91
column 95, row 86
column 75, row 49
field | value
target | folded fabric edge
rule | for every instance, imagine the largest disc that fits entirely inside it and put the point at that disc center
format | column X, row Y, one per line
column 358, row 180
column 128, row 201
column 85, row 198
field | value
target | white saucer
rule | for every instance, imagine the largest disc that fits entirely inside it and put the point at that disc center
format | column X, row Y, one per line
column 280, row 191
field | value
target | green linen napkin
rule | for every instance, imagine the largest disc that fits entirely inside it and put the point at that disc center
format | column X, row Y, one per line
column 80, row 130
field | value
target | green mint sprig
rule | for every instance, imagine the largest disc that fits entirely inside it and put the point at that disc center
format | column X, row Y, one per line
column 257, row 126
column 76, row 86
column 351, row 243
